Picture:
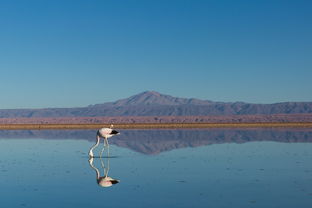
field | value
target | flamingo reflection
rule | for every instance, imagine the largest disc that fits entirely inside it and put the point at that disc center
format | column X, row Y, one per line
column 103, row 181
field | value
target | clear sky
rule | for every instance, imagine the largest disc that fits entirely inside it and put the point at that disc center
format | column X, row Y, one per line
column 63, row 53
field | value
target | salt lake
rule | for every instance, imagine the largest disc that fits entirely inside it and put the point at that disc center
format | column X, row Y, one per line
column 158, row 168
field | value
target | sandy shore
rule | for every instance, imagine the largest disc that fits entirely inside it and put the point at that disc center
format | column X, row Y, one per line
column 154, row 126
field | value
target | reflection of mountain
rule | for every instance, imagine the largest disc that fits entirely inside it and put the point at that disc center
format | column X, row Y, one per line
column 156, row 141
column 153, row 142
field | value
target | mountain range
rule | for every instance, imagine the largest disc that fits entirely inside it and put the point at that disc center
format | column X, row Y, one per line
column 151, row 103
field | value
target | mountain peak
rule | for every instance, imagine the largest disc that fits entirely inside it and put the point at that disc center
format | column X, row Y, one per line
column 156, row 98
column 149, row 93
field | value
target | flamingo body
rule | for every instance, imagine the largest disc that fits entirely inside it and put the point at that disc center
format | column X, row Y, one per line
column 104, row 133
column 107, row 132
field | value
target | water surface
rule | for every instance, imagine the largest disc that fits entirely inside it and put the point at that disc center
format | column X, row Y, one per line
column 158, row 168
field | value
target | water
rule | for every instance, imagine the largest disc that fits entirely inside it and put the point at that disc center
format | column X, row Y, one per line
column 158, row 168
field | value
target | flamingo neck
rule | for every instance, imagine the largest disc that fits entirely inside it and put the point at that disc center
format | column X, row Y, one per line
column 94, row 146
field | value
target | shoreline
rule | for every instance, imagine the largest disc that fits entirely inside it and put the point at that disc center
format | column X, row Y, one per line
column 155, row 125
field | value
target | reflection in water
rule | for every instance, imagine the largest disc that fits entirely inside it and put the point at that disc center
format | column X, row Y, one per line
column 50, row 169
column 103, row 181
column 157, row 141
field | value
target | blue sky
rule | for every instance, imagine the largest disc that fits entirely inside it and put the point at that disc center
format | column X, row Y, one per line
column 65, row 53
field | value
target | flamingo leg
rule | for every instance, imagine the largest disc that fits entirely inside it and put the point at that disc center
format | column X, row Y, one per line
column 106, row 141
column 108, row 153
column 102, row 150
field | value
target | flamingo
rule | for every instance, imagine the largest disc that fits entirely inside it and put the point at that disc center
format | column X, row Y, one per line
column 104, row 133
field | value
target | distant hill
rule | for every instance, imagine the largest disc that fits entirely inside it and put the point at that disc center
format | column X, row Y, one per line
column 151, row 103
column 154, row 98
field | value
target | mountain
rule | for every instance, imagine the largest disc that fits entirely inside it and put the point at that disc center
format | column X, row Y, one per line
column 154, row 98
column 151, row 103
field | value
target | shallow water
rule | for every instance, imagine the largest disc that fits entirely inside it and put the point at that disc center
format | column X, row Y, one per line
column 158, row 168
